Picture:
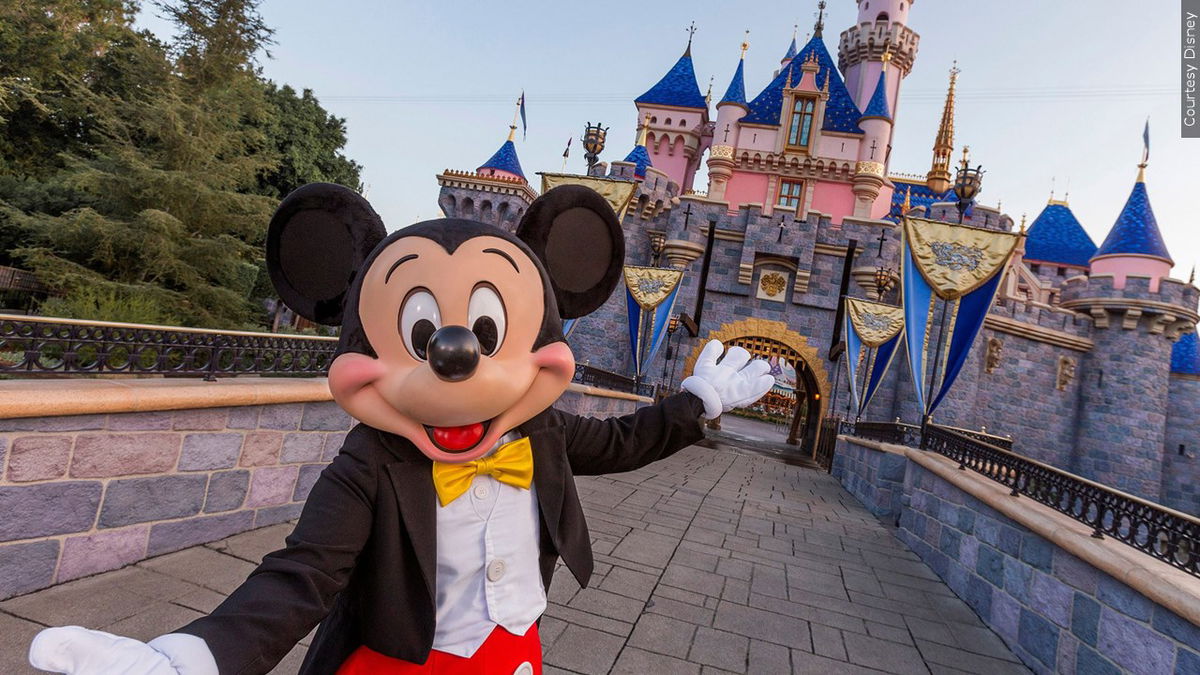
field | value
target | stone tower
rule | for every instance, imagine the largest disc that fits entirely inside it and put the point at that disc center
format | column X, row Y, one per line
column 882, row 28
column 730, row 110
column 496, row 193
column 1138, row 313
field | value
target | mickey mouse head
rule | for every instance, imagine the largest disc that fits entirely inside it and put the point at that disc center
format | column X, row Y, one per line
column 451, row 328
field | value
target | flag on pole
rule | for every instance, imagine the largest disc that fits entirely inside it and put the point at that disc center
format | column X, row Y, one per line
column 567, row 152
column 873, row 332
column 1146, row 142
column 524, row 126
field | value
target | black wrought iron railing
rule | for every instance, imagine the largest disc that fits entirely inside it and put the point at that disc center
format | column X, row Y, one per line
column 1168, row 535
column 41, row 346
column 604, row 379
column 887, row 432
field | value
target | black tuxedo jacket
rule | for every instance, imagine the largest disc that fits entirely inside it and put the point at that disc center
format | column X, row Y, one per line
column 362, row 558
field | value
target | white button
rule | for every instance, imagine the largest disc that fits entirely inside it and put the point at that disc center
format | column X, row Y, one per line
column 481, row 491
column 524, row 669
column 495, row 570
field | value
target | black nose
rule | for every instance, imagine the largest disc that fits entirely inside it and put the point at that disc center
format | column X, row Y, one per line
column 453, row 353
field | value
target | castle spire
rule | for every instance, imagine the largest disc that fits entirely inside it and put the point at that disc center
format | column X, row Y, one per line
column 736, row 92
column 639, row 156
column 938, row 178
column 820, row 19
column 678, row 87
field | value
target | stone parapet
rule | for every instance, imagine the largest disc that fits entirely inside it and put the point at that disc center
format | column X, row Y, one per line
column 1061, row 599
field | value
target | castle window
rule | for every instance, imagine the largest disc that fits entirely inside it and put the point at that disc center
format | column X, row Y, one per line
column 682, row 123
column 800, row 129
column 653, row 119
column 668, row 122
column 790, row 193
column 882, row 16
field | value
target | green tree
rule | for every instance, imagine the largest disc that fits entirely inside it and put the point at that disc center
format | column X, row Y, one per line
column 308, row 141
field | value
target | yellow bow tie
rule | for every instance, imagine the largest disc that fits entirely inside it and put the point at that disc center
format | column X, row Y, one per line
column 511, row 463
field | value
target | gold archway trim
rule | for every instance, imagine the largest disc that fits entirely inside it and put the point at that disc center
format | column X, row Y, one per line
column 771, row 330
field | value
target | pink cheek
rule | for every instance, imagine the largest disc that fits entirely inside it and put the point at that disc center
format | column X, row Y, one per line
column 349, row 373
column 557, row 358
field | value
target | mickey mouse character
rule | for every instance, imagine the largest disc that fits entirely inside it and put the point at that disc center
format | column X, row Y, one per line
column 428, row 543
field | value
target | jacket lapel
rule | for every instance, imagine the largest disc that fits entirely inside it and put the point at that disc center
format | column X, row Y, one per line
column 548, row 477
column 412, row 479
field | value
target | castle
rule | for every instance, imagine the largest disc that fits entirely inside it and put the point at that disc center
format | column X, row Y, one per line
column 1088, row 360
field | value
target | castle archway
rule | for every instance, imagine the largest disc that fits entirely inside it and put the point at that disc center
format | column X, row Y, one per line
column 799, row 400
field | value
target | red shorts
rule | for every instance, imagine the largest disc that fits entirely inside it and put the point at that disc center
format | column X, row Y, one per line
column 501, row 654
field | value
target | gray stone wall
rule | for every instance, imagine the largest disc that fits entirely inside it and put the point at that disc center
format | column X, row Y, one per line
column 874, row 477
column 1181, row 455
column 84, row 494
column 1057, row 612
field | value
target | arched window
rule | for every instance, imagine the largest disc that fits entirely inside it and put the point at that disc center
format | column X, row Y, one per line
column 882, row 16
column 683, row 123
column 653, row 119
column 800, row 130
column 668, row 122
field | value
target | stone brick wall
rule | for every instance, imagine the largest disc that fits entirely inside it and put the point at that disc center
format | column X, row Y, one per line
column 1057, row 612
column 1181, row 454
column 874, row 477
column 84, row 494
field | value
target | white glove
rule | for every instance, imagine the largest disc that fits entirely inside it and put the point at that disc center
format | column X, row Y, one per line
column 729, row 384
column 79, row 651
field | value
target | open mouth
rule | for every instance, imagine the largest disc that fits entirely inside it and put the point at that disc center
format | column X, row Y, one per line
column 457, row 439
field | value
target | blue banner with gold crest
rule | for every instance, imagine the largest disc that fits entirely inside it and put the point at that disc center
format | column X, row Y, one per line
column 962, row 266
column 649, row 298
column 873, row 332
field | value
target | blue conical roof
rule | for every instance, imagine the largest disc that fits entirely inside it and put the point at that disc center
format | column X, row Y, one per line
column 878, row 105
column 641, row 159
column 736, row 93
column 791, row 52
column 1056, row 236
column 1136, row 230
column 678, row 87
column 841, row 114
column 1185, row 355
column 505, row 159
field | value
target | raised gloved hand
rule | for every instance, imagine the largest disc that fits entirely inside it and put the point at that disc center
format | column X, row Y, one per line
column 79, row 651
column 733, row 382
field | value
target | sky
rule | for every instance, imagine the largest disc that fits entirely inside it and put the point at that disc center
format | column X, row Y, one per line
column 1051, row 94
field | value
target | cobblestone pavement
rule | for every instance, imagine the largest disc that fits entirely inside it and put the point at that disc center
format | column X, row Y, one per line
column 712, row 561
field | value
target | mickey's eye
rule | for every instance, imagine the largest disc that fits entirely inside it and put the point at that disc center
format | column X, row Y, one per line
column 419, row 318
column 485, row 315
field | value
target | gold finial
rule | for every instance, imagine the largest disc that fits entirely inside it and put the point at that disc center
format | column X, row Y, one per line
column 1141, row 172
column 887, row 54
column 795, row 29
column 512, row 128
column 645, row 126
column 746, row 45
column 938, row 177
column 825, row 86
column 708, row 95
column 1022, row 223
column 788, row 84
column 820, row 19
column 966, row 157
column 907, row 201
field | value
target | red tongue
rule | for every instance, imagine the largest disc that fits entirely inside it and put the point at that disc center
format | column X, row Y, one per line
column 458, row 438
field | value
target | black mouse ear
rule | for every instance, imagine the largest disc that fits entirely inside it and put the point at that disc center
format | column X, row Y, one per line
column 576, row 235
column 317, row 240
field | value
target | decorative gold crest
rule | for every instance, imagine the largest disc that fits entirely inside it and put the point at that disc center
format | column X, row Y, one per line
column 956, row 259
column 772, row 283
column 651, row 285
column 874, row 322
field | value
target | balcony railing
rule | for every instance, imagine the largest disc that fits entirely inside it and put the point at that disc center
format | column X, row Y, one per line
column 603, row 379
column 33, row 346
column 1168, row 535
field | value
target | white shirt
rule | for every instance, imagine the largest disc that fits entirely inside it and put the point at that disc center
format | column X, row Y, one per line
column 487, row 564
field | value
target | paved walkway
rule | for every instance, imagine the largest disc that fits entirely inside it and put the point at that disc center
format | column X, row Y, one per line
column 712, row 561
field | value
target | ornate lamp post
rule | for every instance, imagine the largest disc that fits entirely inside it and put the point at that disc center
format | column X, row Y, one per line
column 883, row 280
column 967, row 184
column 593, row 143
column 672, row 327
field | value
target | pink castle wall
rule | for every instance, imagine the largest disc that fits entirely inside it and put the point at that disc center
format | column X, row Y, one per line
column 836, row 199
column 1121, row 267
column 747, row 188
